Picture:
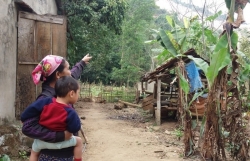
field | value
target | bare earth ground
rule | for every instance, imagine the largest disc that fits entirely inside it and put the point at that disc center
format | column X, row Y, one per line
column 127, row 135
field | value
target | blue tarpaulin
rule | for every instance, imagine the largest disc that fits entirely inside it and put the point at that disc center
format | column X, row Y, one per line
column 193, row 76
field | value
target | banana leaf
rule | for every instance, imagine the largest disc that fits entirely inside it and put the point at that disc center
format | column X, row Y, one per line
column 219, row 60
column 167, row 43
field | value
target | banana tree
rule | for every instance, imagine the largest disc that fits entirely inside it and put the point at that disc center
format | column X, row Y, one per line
column 222, row 56
column 237, row 6
column 180, row 39
column 223, row 101
column 175, row 44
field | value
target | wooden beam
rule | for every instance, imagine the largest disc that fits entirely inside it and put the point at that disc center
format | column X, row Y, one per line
column 169, row 108
column 152, row 80
column 161, row 75
column 158, row 108
column 155, row 91
column 129, row 104
column 148, row 92
column 137, row 99
column 43, row 18
column 142, row 88
column 146, row 86
column 28, row 63
column 163, row 103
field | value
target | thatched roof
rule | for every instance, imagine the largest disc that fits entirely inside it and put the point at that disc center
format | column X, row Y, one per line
column 169, row 65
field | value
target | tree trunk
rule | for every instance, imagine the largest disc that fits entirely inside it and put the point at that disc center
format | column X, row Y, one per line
column 213, row 145
column 184, row 113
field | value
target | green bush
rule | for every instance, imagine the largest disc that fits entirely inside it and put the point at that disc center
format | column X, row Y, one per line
column 4, row 158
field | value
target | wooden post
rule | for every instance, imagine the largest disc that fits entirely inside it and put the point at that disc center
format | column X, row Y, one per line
column 158, row 108
column 89, row 90
column 155, row 91
column 142, row 88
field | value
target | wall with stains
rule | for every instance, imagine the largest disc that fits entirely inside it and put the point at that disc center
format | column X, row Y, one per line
column 8, row 50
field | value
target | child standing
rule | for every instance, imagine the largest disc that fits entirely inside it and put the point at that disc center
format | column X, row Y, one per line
column 57, row 115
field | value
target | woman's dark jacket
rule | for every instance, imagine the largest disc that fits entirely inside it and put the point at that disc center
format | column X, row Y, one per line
column 31, row 127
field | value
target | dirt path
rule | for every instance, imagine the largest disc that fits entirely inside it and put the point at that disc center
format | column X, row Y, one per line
column 123, row 136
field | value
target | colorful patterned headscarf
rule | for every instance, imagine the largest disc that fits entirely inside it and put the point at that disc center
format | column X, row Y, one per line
column 46, row 67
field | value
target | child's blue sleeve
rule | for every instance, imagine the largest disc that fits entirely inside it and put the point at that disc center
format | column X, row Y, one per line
column 73, row 121
column 35, row 109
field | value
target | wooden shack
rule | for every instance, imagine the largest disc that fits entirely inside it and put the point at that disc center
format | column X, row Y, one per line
column 166, row 93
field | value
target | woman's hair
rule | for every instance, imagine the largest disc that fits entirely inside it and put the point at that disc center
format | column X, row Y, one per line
column 64, row 85
column 52, row 77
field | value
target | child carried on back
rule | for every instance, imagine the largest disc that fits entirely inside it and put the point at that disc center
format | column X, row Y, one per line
column 56, row 114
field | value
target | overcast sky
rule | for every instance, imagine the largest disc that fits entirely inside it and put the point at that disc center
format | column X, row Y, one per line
column 213, row 6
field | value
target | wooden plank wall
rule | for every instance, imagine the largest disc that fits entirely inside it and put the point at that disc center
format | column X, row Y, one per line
column 59, row 37
column 38, row 36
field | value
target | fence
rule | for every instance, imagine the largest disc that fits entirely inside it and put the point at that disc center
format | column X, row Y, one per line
column 107, row 93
